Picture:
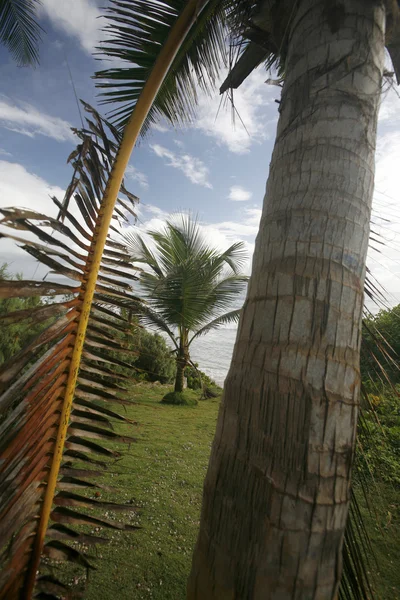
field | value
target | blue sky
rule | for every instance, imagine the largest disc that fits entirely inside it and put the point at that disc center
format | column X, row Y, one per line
column 211, row 167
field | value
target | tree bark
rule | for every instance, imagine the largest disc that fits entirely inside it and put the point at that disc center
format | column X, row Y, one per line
column 181, row 360
column 180, row 376
column 276, row 494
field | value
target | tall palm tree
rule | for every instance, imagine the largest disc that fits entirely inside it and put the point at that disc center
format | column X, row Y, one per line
column 277, row 491
column 19, row 30
column 188, row 285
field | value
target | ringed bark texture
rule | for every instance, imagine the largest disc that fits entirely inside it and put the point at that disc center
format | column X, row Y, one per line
column 276, row 494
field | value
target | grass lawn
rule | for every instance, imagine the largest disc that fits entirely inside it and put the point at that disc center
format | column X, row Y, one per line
column 163, row 475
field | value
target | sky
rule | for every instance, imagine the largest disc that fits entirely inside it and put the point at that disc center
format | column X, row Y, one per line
column 214, row 168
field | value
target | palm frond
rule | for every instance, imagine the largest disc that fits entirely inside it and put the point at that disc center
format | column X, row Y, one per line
column 188, row 287
column 39, row 433
column 136, row 32
column 235, row 257
column 151, row 318
column 139, row 252
column 19, row 30
column 358, row 558
column 226, row 319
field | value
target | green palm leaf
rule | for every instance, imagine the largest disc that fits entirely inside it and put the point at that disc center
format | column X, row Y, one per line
column 136, row 32
column 19, row 30
column 226, row 319
column 188, row 285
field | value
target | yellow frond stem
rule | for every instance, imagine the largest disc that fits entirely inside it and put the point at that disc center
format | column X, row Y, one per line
column 130, row 135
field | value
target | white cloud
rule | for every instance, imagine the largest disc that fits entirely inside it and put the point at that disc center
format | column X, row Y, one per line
column 193, row 168
column 239, row 194
column 246, row 227
column 220, row 235
column 389, row 110
column 138, row 176
column 155, row 210
column 27, row 120
column 179, row 143
column 159, row 127
column 21, row 189
column 4, row 152
column 251, row 100
column 78, row 19
column 385, row 262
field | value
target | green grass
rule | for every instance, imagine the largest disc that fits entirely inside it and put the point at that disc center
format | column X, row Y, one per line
column 382, row 519
column 162, row 473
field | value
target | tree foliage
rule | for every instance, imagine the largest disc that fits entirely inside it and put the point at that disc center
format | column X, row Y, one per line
column 378, row 455
column 19, row 30
column 380, row 350
column 155, row 361
column 378, row 448
column 188, row 285
column 17, row 334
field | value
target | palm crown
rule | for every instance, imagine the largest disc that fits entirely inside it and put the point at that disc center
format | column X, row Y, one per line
column 19, row 30
column 188, row 285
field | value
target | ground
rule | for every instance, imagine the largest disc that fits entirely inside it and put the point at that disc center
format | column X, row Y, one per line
column 162, row 474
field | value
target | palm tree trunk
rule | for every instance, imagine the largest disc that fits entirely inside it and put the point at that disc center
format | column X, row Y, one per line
column 180, row 375
column 181, row 360
column 276, row 494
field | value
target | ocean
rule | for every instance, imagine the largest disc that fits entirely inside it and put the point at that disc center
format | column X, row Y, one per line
column 213, row 352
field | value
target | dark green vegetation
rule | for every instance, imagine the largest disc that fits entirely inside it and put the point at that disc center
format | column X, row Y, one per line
column 155, row 361
column 381, row 349
column 188, row 285
column 163, row 475
column 148, row 355
column 16, row 335
column 379, row 437
column 379, row 424
column 185, row 398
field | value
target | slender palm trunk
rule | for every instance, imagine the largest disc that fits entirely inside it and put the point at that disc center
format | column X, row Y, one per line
column 276, row 493
column 180, row 375
column 181, row 360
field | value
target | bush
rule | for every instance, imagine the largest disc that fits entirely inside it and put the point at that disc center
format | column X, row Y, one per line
column 379, row 438
column 179, row 399
column 16, row 335
column 193, row 379
column 155, row 358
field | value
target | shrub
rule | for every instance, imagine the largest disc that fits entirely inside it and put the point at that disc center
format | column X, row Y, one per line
column 193, row 379
column 179, row 399
column 155, row 358
column 17, row 334
column 379, row 438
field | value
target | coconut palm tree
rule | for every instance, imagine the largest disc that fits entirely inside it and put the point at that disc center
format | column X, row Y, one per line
column 277, row 491
column 19, row 30
column 188, row 285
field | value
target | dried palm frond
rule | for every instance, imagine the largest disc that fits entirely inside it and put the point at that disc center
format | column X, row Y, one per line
column 45, row 422
column 36, row 404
